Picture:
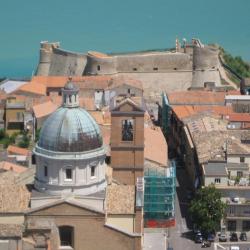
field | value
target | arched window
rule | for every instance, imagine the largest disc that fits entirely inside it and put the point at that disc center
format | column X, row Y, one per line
column 66, row 236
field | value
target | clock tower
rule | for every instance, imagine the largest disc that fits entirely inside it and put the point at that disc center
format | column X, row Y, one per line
column 127, row 139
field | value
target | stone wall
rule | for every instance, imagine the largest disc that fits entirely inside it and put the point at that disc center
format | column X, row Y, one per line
column 158, row 71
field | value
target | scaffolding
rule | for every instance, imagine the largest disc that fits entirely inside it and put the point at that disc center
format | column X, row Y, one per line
column 159, row 197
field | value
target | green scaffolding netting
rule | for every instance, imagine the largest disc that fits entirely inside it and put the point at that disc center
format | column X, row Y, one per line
column 159, row 193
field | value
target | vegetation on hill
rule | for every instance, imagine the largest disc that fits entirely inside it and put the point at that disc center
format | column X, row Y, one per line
column 207, row 209
column 236, row 63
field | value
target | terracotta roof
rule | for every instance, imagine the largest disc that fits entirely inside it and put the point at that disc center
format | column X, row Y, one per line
column 44, row 109
column 196, row 97
column 101, row 117
column 106, row 131
column 219, row 110
column 156, row 149
column 120, row 199
column 13, row 197
column 87, row 103
column 183, row 111
column 17, row 150
column 239, row 117
column 91, row 82
column 32, row 88
column 233, row 92
column 8, row 166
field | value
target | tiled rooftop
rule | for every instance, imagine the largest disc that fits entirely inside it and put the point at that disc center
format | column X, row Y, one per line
column 215, row 169
column 91, row 82
column 8, row 166
column 196, row 97
column 10, row 230
column 44, row 109
column 120, row 199
column 13, row 197
column 17, row 150
column 156, row 149
column 184, row 111
column 32, row 88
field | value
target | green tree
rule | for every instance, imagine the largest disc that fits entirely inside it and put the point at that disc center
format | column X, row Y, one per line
column 25, row 142
column 207, row 209
column 2, row 134
column 37, row 134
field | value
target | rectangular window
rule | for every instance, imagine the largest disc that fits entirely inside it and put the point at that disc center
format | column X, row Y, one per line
column 246, row 225
column 242, row 159
column 98, row 67
column 231, row 225
column 134, row 69
column 231, row 210
column 128, row 130
column 239, row 174
column 92, row 171
column 68, row 173
column 217, row 180
column 155, row 69
column 45, row 171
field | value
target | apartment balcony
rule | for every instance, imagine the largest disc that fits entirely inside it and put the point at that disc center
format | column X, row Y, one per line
column 239, row 209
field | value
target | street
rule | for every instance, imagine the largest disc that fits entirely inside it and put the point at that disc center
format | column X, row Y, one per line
column 181, row 236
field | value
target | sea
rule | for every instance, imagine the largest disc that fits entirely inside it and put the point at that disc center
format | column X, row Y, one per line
column 116, row 26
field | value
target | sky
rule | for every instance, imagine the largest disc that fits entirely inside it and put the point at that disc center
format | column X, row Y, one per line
column 117, row 26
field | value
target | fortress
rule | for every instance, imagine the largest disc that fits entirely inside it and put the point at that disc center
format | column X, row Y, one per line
column 188, row 66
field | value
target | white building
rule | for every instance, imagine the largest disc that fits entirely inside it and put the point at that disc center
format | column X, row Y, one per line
column 70, row 157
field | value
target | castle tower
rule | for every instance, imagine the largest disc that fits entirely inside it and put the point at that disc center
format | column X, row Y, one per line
column 127, row 140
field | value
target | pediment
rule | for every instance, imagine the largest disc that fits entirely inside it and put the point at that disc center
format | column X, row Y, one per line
column 65, row 208
column 128, row 106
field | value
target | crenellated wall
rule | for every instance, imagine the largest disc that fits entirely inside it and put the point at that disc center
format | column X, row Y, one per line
column 158, row 70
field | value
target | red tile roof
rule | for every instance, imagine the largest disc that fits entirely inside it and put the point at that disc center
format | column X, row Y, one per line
column 32, row 88
column 196, row 97
column 44, row 109
column 8, row 166
column 91, row 82
column 156, row 149
column 17, row 150
column 239, row 117
column 183, row 111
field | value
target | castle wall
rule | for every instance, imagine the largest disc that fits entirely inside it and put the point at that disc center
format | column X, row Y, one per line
column 205, row 66
column 153, row 62
column 154, row 84
column 205, row 58
column 158, row 71
column 100, row 65
column 67, row 63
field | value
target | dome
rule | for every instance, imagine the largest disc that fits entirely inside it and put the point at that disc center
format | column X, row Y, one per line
column 70, row 130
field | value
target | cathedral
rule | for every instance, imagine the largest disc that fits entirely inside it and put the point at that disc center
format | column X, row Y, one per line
column 73, row 204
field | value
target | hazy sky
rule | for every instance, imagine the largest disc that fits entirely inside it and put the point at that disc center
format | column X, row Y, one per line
column 114, row 25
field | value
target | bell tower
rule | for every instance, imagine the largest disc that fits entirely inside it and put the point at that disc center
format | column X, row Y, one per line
column 127, row 140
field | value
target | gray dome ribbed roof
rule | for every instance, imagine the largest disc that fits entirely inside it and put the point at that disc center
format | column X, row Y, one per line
column 70, row 130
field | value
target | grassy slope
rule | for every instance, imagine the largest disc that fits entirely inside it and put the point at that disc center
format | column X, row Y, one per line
column 240, row 66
